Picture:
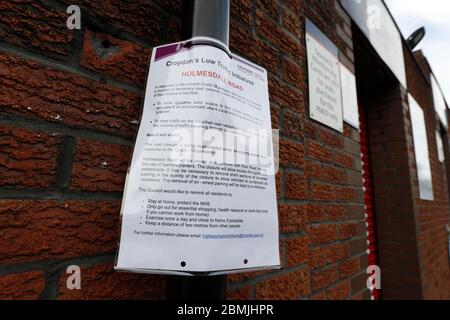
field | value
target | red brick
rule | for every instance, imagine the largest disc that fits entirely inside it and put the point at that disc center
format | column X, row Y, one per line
column 324, row 173
column 292, row 154
column 311, row 131
column 289, row 286
column 296, row 187
column 321, row 16
column 36, row 26
column 242, row 10
column 294, row 74
column 345, row 194
column 318, row 297
column 321, row 234
column 279, row 184
column 99, row 166
column 332, row 139
column 297, row 251
column 294, row 5
column 349, row 267
column 339, row 292
column 332, row 174
column 354, row 178
column 293, row 125
column 27, row 159
column 347, row 230
column 292, row 23
column 239, row 277
column 271, row 31
column 244, row 293
column 324, row 278
column 102, row 282
column 345, row 160
column 175, row 6
column 48, row 230
column 244, row 276
column 174, row 31
column 120, row 59
column 313, row 170
column 32, row 89
column 292, row 218
column 337, row 212
column 24, row 286
column 325, row 212
column 356, row 212
column 286, row 96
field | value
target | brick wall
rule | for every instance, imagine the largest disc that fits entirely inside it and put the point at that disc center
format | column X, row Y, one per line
column 69, row 108
column 323, row 241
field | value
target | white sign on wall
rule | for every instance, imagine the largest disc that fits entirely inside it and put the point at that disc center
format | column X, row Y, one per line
column 421, row 150
column 439, row 101
column 200, row 193
column 325, row 102
column 376, row 23
column 349, row 97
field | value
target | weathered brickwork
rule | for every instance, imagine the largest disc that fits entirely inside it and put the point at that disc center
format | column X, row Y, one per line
column 37, row 26
column 388, row 122
column 27, row 159
column 69, row 107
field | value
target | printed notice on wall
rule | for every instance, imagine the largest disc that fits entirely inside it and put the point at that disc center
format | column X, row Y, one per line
column 200, row 192
column 325, row 105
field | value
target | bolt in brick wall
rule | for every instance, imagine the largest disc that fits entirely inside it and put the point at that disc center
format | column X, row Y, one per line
column 70, row 104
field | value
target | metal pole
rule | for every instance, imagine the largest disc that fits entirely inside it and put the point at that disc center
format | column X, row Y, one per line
column 202, row 18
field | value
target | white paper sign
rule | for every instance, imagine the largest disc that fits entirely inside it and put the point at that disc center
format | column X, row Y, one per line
column 200, row 194
column 325, row 105
column 349, row 97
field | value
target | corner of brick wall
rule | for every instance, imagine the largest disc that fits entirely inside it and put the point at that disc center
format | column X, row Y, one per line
column 70, row 104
